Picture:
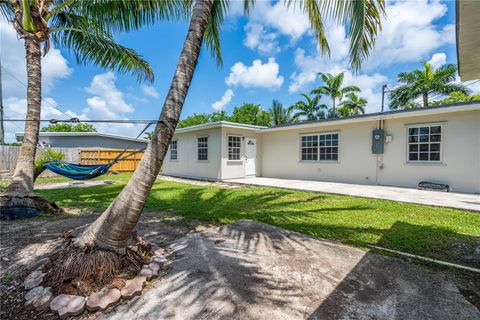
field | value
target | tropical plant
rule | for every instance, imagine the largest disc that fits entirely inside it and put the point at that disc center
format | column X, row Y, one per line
column 280, row 114
column 113, row 229
column 422, row 83
column 456, row 97
column 353, row 105
column 310, row 109
column 219, row 116
column 84, row 28
column 44, row 157
column 194, row 120
column 332, row 87
column 250, row 113
column 68, row 127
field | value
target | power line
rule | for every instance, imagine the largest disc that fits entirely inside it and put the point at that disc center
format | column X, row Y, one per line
column 46, row 101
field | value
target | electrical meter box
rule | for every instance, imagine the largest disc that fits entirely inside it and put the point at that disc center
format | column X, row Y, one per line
column 378, row 140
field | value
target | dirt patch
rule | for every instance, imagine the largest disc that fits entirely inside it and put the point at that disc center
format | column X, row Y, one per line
column 23, row 242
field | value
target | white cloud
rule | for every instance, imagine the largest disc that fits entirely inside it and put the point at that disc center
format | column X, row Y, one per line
column 150, row 91
column 54, row 65
column 438, row 60
column 409, row 32
column 258, row 39
column 224, row 100
column 108, row 102
column 258, row 75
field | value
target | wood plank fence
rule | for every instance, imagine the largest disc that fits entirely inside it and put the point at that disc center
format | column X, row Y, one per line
column 102, row 156
column 9, row 154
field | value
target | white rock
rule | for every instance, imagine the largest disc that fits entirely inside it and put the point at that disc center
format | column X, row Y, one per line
column 33, row 280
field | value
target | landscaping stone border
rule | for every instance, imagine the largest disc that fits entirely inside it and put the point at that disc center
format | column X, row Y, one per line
column 41, row 298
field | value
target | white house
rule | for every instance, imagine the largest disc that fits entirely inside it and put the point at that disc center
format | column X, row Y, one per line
column 396, row 148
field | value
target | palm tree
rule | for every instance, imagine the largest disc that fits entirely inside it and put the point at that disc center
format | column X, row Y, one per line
column 333, row 88
column 85, row 29
column 280, row 115
column 113, row 229
column 354, row 105
column 310, row 109
column 421, row 83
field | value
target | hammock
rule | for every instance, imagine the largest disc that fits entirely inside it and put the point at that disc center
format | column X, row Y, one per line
column 78, row 171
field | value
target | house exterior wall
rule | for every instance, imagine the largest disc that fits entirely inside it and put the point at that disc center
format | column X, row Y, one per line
column 232, row 169
column 91, row 142
column 188, row 164
column 460, row 165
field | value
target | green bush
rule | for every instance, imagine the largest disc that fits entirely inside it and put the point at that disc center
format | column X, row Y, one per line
column 45, row 156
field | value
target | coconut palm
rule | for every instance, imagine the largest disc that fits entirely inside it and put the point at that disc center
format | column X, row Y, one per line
column 332, row 87
column 112, row 231
column 280, row 115
column 310, row 109
column 85, row 29
column 422, row 83
column 353, row 105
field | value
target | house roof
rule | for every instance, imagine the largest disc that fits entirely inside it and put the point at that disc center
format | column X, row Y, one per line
column 468, row 39
column 457, row 107
column 220, row 124
column 83, row 134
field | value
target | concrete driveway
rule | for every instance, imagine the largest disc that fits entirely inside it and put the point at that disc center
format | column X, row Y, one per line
column 434, row 198
column 251, row 270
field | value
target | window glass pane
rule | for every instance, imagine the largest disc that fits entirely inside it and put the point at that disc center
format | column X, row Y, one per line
column 413, row 131
column 435, row 156
column 322, row 156
column 413, row 156
column 435, row 147
column 424, row 130
column 423, row 156
column 424, row 147
column 424, row 138
column 413, row 148
column 413, row 139
column 334, row 156
column 435, row 138
column 435, row 129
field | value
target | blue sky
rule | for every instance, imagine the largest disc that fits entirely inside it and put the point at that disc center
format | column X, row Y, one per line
column 269, row 55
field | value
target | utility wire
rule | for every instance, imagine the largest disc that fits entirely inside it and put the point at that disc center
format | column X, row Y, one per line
column 46, row 101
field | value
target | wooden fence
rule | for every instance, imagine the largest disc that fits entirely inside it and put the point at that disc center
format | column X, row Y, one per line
column 9, row 154
column 102, row 156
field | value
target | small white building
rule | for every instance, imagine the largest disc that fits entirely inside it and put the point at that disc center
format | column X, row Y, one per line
column 395, row 148
column 86, row 140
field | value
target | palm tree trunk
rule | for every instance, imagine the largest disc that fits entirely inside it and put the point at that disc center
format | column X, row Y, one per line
column 425, row 99
column 22, row 181
column 113, row 229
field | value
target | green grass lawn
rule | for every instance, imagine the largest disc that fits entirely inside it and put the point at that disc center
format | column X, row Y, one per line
column 440, row 233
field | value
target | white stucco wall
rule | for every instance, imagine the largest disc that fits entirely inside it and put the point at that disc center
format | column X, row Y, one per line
column 460, row 167
column 187, row 164
column 236, row 169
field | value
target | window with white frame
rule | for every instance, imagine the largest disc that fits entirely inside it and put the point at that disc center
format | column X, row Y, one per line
column 173, row 150
column 234, row 146
column 425, row 143
column 319, row 147
column 202, row 148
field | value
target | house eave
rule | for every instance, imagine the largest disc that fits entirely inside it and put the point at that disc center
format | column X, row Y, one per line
column 475, row 105
column 467, row 39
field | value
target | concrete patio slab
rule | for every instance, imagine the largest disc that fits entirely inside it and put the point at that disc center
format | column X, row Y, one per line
column 463, row 201
column 251, row 270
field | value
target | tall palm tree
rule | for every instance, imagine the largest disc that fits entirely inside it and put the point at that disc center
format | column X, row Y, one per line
column 354, row 105
column 422, row 83
column 280, row 115
column 310, row 109
column 85, row 29
column 113, row 229
column 332, row 87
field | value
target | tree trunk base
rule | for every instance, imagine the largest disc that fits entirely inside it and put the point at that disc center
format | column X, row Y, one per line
column 31, row 201
column 84, row 270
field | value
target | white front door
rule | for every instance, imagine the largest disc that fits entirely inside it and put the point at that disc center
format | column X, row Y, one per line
column 250, row 155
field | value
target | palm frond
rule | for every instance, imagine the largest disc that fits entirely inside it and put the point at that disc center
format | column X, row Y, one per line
column 212, row 32
column 89, row 42
column 127, row 15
